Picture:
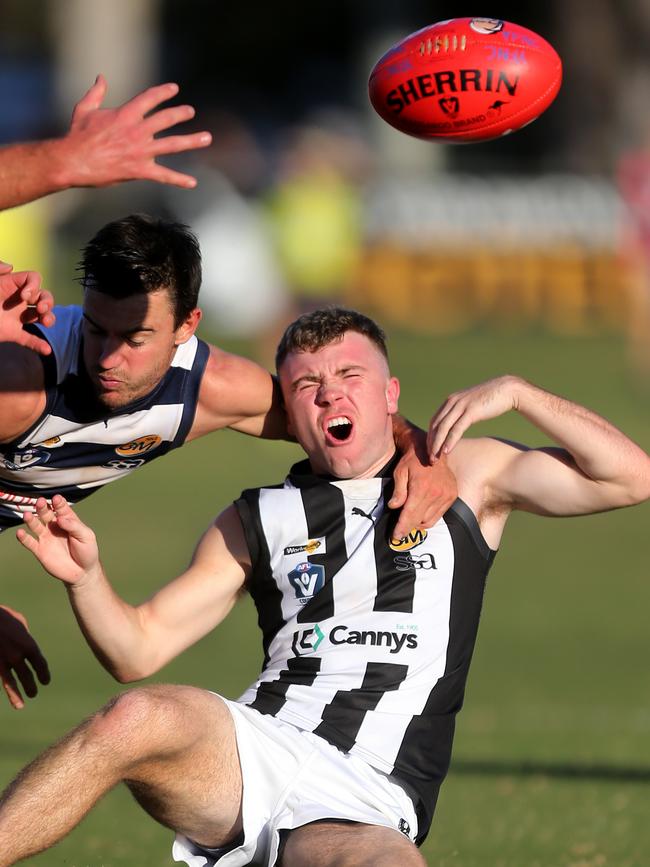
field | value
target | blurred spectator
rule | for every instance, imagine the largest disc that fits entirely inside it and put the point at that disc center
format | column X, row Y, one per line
column 243, row 290
column 634, row 185
column 316, row 209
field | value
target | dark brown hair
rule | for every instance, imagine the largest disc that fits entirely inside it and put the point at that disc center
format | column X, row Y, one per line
column 312, row 331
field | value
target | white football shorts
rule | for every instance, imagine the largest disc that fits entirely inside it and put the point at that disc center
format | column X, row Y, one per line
column 291, row 778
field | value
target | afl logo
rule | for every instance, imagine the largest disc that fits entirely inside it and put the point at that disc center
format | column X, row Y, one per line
column 139, row 446
column 414, row 538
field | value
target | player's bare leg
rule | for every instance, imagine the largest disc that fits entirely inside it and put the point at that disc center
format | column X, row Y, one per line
column 349, row 844
column 175, row 748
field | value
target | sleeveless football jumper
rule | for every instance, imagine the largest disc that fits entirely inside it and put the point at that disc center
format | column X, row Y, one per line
column 367, row 642
column 77, row 446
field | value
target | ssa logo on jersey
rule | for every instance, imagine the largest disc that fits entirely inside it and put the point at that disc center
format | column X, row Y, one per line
column 307, row 579
column 411, row 540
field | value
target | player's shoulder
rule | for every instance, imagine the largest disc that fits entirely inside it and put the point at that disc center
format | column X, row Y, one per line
column 479, row 458
column 234, row 385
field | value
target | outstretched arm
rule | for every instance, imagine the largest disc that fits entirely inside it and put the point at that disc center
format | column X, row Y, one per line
column 597, row 467
column 132, row 642
column 20, row 658
column 103, row 146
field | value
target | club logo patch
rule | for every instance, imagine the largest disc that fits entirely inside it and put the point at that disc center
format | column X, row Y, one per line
column 412, row 540
column 25, row 458
column 307, row 579
column 139, row 446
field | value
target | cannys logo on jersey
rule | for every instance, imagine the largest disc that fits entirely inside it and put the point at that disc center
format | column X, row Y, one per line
column 411, row 540
column 139, row 446
column 306, row 641
column 21, row 460
column 307, row 579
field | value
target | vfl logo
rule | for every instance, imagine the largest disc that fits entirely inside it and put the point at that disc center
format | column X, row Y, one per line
column 414, row 561
column 412, row 540
column 307, row 579
column 139, row 446
column 308, row 547
column 306, row 641
column 26, row 458
column 450, row 105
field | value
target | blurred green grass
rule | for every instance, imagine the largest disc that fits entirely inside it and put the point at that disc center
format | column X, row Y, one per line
column 552, row 754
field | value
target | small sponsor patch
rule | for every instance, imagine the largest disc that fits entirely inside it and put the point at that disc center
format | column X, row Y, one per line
column 139, row 446
column 309, row 547
column 126, row 464
column 52, row 443
column 411, row 540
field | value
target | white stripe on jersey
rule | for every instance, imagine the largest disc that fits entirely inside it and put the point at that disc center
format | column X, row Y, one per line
column 162, row 420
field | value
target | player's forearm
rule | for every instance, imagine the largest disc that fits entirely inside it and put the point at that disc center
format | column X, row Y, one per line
column 34, row 169
column 112, row 628
column 600, row 450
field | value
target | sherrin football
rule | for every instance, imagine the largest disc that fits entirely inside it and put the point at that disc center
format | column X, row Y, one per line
column 466, row 79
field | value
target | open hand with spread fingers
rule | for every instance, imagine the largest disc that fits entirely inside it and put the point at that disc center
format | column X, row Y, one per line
column 24, row 301
column 60, row 541
column 20, row 658
column 109, row 145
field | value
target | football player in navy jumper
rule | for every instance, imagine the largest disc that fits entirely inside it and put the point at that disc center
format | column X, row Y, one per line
column 88, row 394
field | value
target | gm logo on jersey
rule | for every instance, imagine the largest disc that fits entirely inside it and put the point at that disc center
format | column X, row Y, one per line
column 411, row 540
column 139, row 446
column 307, row 579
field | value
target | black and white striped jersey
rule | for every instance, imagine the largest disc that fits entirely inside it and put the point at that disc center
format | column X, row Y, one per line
column 367, row 642
column 77, row 446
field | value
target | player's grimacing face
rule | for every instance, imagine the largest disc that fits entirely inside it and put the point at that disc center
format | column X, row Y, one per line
column 129, row 343
column 340, row 400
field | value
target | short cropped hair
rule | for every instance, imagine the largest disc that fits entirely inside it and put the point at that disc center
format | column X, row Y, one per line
column 140, row 254
column 312, row 331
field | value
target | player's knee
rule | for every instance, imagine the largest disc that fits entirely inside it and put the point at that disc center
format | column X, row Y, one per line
column 132, row 717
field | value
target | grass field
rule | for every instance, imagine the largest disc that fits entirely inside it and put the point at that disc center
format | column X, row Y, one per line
column 552, row 756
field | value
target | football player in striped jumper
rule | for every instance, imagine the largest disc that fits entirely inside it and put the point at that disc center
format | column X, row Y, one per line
column 334, row 756
column 89, row 395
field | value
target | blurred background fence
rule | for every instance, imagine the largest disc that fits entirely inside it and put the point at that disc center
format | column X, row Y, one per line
column 306, row 197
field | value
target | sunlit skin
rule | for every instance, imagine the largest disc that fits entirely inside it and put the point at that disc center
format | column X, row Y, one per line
column 129, row 343
column 349, row 382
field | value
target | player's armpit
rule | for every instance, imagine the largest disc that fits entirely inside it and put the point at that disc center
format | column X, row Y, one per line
column 192, row 605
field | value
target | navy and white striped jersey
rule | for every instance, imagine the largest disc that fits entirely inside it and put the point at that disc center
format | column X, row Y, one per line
column 367, row 642
column 77, row 446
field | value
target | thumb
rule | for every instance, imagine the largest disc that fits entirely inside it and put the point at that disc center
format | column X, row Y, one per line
column 91, row 100
column 399, row 494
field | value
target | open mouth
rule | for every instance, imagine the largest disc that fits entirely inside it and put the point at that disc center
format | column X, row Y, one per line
column 339, row 428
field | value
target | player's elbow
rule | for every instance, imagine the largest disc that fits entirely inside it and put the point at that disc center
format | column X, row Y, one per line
column 131, row 671
column 636, row 488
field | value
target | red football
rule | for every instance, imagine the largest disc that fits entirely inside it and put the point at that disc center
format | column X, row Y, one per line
column 466, row 79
